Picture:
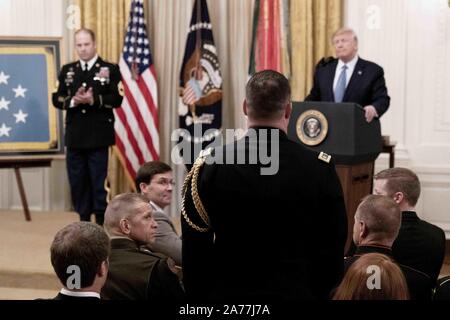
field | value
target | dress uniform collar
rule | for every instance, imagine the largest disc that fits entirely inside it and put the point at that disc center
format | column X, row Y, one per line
column 123, row 243
column 282, row 134
column 90, row 62
column 360, row 250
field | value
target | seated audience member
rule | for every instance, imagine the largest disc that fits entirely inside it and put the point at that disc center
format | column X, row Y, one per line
column 442, row 289
column 136, row 273
column 377, row 222
column 154, row 180
column 373, row 276
column 79, row 255
column 419, row 244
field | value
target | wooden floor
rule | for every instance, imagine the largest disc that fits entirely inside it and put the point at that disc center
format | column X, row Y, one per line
column 25, row 268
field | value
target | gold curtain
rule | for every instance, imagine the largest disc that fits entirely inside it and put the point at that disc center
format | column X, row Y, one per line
column 312, row 25
column 311, row 21
column 108, row 19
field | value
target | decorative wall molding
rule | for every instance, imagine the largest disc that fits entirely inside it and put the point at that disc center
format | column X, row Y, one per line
column 415, row 55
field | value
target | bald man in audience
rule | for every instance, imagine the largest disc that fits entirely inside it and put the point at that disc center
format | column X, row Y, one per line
column 377, row 222
column 136, row 273
column 419, row 244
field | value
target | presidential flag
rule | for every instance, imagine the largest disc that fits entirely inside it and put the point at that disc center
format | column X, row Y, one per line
column 137, row 137
column 28, row 122
column 200, row 103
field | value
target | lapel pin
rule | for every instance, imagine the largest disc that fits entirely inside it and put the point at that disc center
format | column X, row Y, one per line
column 359, row 72
column 97, row 65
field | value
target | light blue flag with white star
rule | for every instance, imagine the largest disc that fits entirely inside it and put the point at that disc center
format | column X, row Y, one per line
column 27, row 119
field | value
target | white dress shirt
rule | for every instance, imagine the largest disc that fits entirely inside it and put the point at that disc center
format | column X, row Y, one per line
column 79, row 294
column 350, row 68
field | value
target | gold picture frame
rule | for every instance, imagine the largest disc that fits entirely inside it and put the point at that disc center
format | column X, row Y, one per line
column 29, row 124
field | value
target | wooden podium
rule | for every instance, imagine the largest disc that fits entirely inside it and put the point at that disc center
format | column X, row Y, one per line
column 345, row 134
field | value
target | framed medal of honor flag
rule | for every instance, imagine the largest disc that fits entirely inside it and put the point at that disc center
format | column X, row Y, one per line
column 29, row 124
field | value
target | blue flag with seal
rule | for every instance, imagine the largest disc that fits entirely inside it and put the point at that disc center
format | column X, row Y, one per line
column 27, row 120
column 200, row 103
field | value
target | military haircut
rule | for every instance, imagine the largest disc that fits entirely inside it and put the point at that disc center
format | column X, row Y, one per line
column 82, row 244
column 148, row 170
column 267, row 93
column 382, row 216
column 401, row 180
column 122, row 206
column 86, row 30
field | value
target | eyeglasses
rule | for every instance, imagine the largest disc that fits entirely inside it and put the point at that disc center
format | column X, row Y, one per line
column 165, row 182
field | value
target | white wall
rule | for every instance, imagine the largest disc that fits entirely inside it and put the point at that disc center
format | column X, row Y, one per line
column 411, row 40
column 46, row 188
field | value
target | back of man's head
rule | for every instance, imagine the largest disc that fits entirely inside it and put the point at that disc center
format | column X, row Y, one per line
column 382, row 218
column 82, row 245
column 401, row 180
column 122, row 206
column 267, row 95
column 148, row 170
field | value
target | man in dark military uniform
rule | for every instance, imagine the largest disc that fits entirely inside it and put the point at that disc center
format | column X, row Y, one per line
column 249, row 232
column 88, row 90
column 136, row 273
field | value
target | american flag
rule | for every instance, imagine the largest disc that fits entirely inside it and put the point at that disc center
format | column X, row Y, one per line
column 137, row 138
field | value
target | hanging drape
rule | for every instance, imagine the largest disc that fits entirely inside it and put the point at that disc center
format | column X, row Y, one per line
column 311, row 24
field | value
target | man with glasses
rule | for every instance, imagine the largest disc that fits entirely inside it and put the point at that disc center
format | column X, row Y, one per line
column 154, row 180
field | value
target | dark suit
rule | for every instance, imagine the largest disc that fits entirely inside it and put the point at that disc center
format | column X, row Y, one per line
column 136, row 274
column 65, row 297
column 419, row 284
column 420, row 245
column 89, row 131
column 366, row 87
column 277, row 236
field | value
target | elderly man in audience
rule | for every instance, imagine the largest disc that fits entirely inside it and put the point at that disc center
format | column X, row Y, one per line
column 136, row 273
column 419, row 244
column 79, row 255
column 377, row 222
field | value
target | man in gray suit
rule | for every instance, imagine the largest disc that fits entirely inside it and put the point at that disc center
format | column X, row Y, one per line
column 154, row 180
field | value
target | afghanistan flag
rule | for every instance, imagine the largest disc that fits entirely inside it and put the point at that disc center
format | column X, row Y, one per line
column 270, row 37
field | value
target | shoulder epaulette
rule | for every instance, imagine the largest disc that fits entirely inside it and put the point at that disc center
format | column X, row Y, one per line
column 192, row 179
column 324, row 157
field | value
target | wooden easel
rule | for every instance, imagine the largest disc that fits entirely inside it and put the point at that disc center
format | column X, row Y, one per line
column 25, row 162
